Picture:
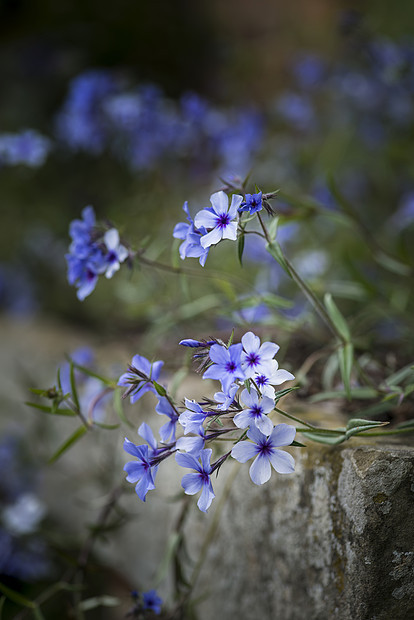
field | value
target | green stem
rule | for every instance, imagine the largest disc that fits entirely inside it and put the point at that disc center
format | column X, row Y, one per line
column 292, row 417
column 307, row 291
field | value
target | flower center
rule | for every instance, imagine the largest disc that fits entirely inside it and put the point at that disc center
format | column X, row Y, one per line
column 223, row 220
column 256, row 411
column 253, row 359
column 231, row 367
column 262, row 380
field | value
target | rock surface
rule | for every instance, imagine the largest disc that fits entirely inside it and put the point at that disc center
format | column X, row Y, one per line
column 333, row 540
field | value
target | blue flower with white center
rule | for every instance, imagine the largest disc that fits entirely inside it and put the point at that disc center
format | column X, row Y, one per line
column 275, row 376
column 226, row 399
column 191, row 236
column 256, row 412
column 193, row 417
column 252, row 204
column 266, row 451
column 116, row 254
column 226, row 365
column 219, row 219
column 164, row 407
column 139, row 377
column 257, row 358
column 142, row 471
column 199, row 481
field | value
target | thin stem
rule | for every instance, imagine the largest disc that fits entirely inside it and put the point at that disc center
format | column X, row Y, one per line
column 292, row 417
column 307, row 291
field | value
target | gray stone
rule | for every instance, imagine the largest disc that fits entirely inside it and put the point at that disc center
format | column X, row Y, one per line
column 333, row 540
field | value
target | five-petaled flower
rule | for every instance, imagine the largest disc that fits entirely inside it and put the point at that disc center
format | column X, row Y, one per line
column 257, row 358
column 219, row 219
column 199, row 481
column 252, row 204
column 226, row 365
column 142, row 471
column 256, row 412
column 265, row 449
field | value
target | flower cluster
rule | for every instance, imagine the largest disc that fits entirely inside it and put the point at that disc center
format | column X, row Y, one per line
column 92, row 252
column 213, row 224
column 27, row 147
column 250, row 367
column 142, row 127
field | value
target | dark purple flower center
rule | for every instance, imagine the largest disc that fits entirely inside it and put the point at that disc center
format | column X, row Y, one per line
column 90, row 275
column 111, row 257
column 262, row 380
column 253, row 359
column 204, row 477
column 223, row 220
column 231, row 367
column 256, row 411
column 266, row 448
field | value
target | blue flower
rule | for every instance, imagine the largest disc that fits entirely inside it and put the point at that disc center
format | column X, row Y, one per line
column 117, row 253
column 256, row 412
column 196, row 344
column 143, row 471
column 226, row 365
column 192, row 445
column 226, row 398
column 257, row 358
column 200, row 481
column 27, row 147
column 193, row 417
column 139, row 377
column 219, row 219
column 191, row 236
column 265, row 449
column 152, row 601
column 275, row 376
column 164, row 407
column 252, row 204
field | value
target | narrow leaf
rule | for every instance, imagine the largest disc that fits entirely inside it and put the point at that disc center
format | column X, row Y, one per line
column 346, row 358
column 73, row 387
column 159, row 388
column 68, row 443
column 46, row 409
column 119, row 408
column 337, row 318
column 275, row 250
column 16, row 597
column 240, row 248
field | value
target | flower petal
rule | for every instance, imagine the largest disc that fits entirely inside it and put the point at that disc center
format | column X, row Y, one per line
column 282, row 462
column 250, row 342
column 206, row 497
column 244, row 450
column 283, row 435
column 260, row 470
column 191, row 483
column 220, row 202
column 205, row 218
column 212, row 237
column 187, row 460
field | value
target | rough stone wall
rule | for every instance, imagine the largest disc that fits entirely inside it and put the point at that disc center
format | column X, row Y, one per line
column 333, row 540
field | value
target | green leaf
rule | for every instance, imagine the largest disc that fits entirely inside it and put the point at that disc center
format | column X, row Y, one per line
column 360, row 422
column 346, row 358
column 240, row 248
column 337, row 318
column 159, row 388
column 46, row 409
column 16, row 597
column 108, row 427
column 73, row 387
column 272, row 228
column 170, row 551
column 297, row 444
column 399, row 376
column 275, row 250
column 68, row 443
column 90, row 373
column 330, row 440
column 281, row 393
